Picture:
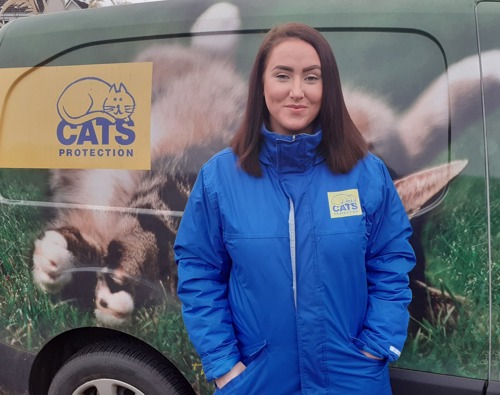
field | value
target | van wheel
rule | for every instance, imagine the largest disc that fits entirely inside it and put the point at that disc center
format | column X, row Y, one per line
column 118, row 368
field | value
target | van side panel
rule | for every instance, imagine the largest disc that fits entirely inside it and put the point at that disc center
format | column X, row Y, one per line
column 86, row 247
column 488, row 14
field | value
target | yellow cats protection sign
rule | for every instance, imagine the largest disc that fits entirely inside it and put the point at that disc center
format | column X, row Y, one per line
column 76, row 117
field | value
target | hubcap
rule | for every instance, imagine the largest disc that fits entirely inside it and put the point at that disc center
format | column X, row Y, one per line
column 106, row 387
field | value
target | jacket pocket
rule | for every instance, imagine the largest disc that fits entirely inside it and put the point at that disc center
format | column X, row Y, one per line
column 357, row 346
column 244, row 383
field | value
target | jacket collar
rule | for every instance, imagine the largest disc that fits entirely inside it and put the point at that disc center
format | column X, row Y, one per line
column 290, row 154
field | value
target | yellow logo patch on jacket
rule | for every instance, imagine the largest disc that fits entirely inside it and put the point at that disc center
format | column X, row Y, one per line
column 344, row 203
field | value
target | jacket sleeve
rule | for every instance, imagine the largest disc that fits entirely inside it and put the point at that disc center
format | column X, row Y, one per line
column 203, row 271
column 389, row 259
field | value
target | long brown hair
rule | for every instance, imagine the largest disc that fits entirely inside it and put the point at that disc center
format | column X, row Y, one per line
column 342, row 144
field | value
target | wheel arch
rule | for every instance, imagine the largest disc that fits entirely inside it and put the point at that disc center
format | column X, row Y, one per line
column 59, row 349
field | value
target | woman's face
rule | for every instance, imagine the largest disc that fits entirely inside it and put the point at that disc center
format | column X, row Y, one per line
column 292, row 87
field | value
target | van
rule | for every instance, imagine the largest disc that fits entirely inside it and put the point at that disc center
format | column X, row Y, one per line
column 108, row 114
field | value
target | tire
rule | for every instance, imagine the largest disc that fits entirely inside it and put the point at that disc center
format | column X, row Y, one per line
column 118, row 368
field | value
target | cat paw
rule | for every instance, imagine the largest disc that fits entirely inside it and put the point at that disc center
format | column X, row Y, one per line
column 51, row 262
column 112, row 309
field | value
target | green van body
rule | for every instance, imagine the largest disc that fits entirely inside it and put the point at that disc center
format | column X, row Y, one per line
column 422, row 82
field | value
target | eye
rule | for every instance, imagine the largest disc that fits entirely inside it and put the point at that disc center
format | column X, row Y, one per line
column 281, row 76
column 312, row 78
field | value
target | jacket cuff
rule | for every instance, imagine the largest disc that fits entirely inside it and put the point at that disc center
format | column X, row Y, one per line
column 386, row 351
column 218, row 368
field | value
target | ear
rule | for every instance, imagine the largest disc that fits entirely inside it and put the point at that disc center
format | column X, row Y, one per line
column 417, row 188
column 122, row 88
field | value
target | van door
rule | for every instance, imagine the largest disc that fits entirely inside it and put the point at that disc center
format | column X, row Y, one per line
column 488, row 15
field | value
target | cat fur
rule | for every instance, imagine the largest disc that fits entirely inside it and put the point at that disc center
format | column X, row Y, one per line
column 114, row 230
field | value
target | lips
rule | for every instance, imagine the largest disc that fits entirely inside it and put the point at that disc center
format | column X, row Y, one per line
column 296, row 107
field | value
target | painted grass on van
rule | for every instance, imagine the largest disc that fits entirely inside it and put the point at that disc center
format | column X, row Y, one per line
column 454, row 344
column 29, row 317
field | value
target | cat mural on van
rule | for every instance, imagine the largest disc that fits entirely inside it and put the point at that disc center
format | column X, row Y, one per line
column 113, row 255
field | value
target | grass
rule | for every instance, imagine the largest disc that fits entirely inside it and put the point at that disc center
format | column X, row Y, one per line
column 455, row 243
column 29, row 317
column 456, row 252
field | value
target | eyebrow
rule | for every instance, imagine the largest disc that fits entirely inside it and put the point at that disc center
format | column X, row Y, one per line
column 306, row 69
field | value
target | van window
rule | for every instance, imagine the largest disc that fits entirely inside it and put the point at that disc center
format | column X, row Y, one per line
column 364, row 58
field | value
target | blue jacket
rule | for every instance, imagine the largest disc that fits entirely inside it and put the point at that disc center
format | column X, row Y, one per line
column 295, row 272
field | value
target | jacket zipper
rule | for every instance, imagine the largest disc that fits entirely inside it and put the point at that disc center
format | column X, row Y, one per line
column 291, row 231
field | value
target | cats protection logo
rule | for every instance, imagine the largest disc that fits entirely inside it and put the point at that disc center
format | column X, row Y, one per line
column 89, row 116
column 344, row 203
column 94, row 113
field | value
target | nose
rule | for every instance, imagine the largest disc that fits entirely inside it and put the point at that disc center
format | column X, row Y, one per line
column 296, row 92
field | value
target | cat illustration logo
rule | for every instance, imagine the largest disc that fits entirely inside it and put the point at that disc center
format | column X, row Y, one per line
column 344, row 203
column 93, row 113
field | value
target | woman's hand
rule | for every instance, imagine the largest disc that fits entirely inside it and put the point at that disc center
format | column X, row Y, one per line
column 370, row 355
column 234, row 372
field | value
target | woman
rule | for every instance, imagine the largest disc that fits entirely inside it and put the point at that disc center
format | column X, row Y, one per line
column 293, row 251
